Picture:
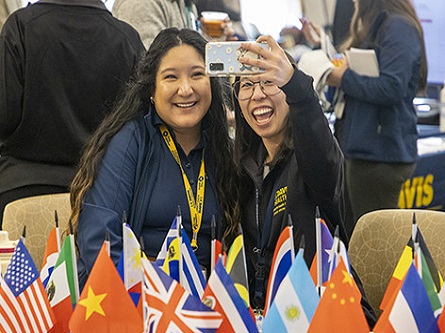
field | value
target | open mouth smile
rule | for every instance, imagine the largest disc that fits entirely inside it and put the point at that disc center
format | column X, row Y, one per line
column 262, row 115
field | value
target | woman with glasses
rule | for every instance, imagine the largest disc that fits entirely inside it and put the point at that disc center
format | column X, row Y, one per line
column 288, row 160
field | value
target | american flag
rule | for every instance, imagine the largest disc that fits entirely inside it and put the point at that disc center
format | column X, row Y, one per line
column 24, row 303
column 171, row 308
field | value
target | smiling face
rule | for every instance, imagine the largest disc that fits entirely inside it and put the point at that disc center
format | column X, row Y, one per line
column 183, row 94
column 266, row 115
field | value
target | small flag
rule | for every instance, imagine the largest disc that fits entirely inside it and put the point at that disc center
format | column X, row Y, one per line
column 193, row 279
column 221, row 295
column 172, row 234
column 24, row 304
column 403, row 265
column 236, row 266
column 130, row 264
column 327, row 241
column 172, row 263
column 295, row 302
column 63, row 285
column 215, row 246
column 412, row 310
column 339, row 310
column 282, row 261
column 51, row 253
column 170, row 308
column 104, row 305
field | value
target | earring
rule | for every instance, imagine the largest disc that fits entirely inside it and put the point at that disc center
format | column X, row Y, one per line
column 152, row 100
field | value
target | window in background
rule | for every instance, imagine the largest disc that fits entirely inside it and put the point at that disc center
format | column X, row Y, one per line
column 432, row 16
column 271, row 16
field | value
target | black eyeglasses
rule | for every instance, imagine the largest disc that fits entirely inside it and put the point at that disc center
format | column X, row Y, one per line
column 244, row 89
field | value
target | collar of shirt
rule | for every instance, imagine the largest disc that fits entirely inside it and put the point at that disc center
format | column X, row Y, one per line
column 85, row 3
column 204, row 133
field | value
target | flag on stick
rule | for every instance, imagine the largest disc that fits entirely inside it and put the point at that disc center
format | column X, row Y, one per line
column 221, row 295
column 405, row 262
column 283, row 258
column 339, row 310
column 24, row 304
column 236, row 266
column 104, row 305
column 173, row 233
column 320, row 272
column 131, row 263
column 295, row 302
column 193, row 279
column 51, row 252
column 412, row 310
column 171, row 308
column 216, row 246
column 63, row 286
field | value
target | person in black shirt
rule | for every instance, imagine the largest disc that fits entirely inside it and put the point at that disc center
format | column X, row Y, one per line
column 62, row 63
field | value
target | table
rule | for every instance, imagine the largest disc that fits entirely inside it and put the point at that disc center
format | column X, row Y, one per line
column 426, row 188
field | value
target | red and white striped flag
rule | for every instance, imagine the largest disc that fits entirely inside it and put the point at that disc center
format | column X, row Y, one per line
column 24, row 305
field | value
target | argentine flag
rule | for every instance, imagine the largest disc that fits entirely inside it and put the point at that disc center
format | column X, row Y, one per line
column 295, row 301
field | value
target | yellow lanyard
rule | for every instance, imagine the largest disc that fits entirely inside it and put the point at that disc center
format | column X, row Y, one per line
column 196, row 205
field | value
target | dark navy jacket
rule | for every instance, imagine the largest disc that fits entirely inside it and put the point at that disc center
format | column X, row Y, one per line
column 310, row 175
column 138, row 175
column 379, row 121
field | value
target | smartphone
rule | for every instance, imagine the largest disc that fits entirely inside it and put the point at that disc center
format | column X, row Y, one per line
column 221, row 59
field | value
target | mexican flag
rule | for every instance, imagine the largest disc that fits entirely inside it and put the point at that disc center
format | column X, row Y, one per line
column 63, row 286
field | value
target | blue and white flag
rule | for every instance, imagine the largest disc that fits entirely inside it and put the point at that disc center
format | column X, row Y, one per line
column 338, row 250
column 222, row 296
column 173, row 233
column 192, row 279
column 295, row 301
column 412, row 311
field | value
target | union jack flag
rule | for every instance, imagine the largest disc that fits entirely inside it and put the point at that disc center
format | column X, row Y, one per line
column 170, row 308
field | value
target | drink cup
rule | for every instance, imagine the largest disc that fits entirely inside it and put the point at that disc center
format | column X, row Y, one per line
column 211, row 23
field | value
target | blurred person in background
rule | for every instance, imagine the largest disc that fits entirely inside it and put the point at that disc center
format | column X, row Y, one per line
column 6, row 8
column 149, row 17
column 293, row 41
column 62, row 62
column 378, row 129
column 337, row 30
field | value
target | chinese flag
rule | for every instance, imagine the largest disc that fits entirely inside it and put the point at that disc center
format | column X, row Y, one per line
column 104, row 305
column 339, row 309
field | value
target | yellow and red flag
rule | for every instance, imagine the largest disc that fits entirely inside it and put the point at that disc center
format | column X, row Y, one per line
column 339, row 309
column 104, row 305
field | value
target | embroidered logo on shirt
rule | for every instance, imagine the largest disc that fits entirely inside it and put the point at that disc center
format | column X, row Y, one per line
column 279, row 204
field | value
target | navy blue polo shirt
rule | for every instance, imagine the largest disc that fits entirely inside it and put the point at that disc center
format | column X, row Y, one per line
column 168, row 195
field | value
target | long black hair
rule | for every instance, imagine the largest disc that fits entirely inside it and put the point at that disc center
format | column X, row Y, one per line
column 135, row 101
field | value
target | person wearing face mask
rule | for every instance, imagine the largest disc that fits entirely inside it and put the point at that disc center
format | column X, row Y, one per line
column 165, row 145
column 288, row 161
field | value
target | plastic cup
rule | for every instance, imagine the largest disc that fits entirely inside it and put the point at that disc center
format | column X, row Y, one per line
column 212, row 21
